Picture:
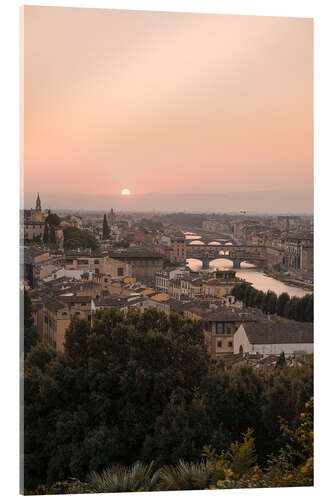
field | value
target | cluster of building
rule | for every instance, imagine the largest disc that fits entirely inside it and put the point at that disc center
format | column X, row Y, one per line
column 143, row 266
column 288, row 241
column 231, row 331
column 35, row 222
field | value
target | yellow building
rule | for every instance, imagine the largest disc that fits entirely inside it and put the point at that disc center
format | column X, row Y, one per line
column 99, row 263
column 221, row 285
column 56, row 315
column 221, row 323
column 179, row 248
column 33, row 230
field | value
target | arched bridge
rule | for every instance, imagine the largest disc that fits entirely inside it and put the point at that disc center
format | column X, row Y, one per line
column 236, row 253
column 218, row 242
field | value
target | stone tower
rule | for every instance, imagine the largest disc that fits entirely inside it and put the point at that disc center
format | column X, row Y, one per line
column 112, row 217
column 38, row 204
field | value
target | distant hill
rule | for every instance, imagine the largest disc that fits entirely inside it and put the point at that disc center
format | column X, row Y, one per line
column 258, row 201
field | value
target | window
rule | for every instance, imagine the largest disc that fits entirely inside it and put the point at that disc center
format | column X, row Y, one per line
column 96, row 261
column 120, row 271
column 219, row 343
column 77, row 313
column 230, row 343
column 105, row 280
column 219, row 327
column 228, row 329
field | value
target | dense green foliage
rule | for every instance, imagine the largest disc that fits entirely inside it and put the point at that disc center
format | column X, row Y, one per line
column 106, row 229
column 30, row 331
column 53, row 220
column 235, row 467
column 78, row 238
column 297, row 308
column 142, row 387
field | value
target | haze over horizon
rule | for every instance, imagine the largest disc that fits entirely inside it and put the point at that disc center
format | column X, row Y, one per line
column 173, row 106
column 261, row 202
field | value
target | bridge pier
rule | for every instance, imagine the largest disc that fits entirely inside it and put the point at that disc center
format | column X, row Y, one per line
column 205, row 262
column 236, row 263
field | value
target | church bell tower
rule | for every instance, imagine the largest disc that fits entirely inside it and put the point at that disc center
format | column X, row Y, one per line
column 38, row 204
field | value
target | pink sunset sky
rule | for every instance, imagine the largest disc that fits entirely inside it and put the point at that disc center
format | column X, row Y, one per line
column 164, row 103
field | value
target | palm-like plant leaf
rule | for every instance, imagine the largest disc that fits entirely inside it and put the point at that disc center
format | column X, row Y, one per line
column 118, row 478
column 187, row 476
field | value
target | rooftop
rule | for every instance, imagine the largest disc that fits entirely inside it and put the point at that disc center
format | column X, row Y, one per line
column 279, row 332
column 139, row 252
column 216, row 314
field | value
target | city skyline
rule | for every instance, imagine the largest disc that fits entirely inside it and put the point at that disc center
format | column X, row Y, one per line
column 255, row 202
column 170, row 103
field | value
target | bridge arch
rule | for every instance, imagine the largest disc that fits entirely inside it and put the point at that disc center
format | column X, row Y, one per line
column 224, row 252
column 228, row 262
column 194, row 264
column 196, row 242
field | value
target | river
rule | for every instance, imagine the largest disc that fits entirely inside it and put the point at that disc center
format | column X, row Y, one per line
column 250, row 273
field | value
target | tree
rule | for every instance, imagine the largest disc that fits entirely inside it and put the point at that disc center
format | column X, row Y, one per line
column 292, row 308
column 30, row 331
column 78, row 238
column 46, row 235
column 106, row 229
column 52, row 237
column 143, row 387
column 309, row 309
column 53, row 220
column 281, row 303
column 281, row 362
column 243, row 455
column 76, row 340
column 272, row 300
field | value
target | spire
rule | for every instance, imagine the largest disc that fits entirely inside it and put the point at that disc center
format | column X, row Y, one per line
column 38, row 204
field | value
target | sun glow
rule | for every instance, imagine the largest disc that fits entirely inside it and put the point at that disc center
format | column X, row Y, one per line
column 125, row 192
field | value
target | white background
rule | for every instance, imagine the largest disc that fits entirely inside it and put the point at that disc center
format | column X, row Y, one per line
column 321, row 11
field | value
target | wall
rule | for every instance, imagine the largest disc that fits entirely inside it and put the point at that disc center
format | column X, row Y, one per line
column 240, row 339
column 267, row 349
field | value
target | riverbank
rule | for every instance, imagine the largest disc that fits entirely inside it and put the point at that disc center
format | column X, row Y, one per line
column 288, row 281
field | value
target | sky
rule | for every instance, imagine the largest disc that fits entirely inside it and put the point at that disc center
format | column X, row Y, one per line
column 166, row 105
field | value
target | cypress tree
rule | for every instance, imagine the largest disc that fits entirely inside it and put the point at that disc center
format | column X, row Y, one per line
column 308, row 307
column 281, row 303
column 46, row 234
column 52, row 237
column 106, row 229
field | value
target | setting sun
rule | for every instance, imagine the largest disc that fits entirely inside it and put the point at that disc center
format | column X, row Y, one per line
column 126, row 192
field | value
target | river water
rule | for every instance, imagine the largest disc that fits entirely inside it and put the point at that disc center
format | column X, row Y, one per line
column 249, row 273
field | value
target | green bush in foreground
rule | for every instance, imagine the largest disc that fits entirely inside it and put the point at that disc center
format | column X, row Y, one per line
column 142, row 387
column 234, row 468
